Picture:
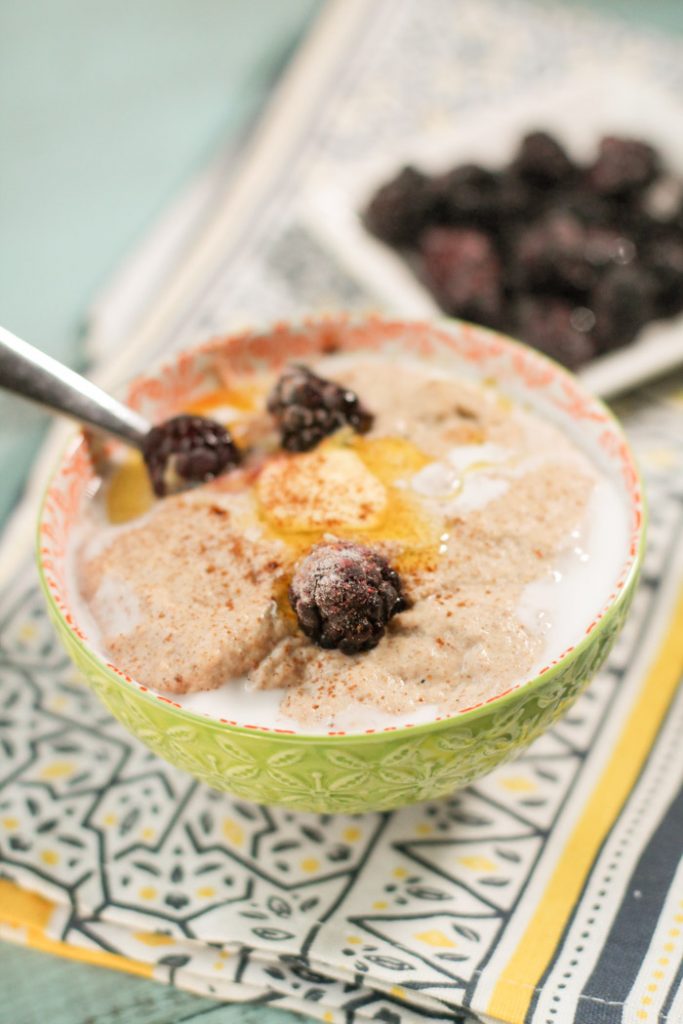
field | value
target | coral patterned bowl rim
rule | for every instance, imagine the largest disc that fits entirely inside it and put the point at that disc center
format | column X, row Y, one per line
column 485, row 354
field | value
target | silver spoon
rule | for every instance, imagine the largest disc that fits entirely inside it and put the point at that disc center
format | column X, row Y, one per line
column 186, row 450
column 28, row 372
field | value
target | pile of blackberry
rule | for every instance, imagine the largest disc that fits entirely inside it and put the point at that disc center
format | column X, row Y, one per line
column 575, row 260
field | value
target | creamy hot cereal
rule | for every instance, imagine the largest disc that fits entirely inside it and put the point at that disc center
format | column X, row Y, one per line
column 431, row 546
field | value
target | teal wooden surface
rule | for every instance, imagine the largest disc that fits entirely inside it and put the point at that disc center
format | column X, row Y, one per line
column 104, row 112
column 37, row 988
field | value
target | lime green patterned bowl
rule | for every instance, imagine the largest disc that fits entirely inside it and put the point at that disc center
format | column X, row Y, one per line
column 382, row 768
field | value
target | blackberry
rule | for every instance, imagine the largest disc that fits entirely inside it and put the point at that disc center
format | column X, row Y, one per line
column 307, row 408
column 663, row 256
column 623, row 302
column 192, row 448
column 550, row 255
column 463, row 270
column 661, row 202
column 542, row 160
column 606, row 247
column 516, row 198
column 344, row 594
column 587, row 207
column 676, row 220
column 401, row 209
column 466, row 195
column 557, row 328
column 623, row 166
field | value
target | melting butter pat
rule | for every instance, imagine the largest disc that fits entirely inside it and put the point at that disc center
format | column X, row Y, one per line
column 129, row 493
column 326, row 489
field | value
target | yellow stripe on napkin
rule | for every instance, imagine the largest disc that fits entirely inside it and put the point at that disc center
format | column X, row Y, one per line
column 515, row 988
column 28, row 911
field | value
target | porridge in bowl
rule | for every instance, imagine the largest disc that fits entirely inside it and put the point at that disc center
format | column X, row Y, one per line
column 396, row 543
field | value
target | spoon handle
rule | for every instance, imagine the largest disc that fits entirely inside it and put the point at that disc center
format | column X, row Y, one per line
column 28, row 372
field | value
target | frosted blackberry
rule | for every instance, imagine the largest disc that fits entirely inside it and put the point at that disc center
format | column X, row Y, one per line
column 623, row 166
column 463, row 270
column 550, row 255
column 664, row 258
column 343, row 596
column 401, row 208
column 554, row 326
column 190, row 448
column 466, row 195
column 542, row 159
column 623, row 302
column 308, row 408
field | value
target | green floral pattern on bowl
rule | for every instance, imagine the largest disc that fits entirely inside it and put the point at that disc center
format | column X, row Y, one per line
column 365, row 771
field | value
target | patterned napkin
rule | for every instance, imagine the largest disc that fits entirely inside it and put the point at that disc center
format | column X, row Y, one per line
column 551, row 890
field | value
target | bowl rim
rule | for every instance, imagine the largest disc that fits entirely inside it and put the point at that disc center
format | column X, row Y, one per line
column 505, row 699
